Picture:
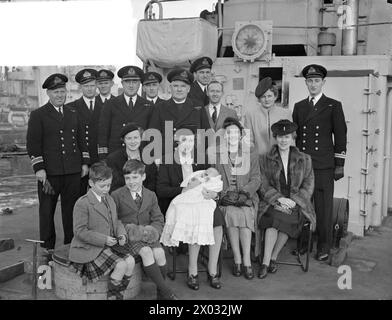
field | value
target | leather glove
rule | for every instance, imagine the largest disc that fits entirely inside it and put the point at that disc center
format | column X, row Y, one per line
column 244, row 199
column 229, row 199
column 339, row 173
column 47, row 188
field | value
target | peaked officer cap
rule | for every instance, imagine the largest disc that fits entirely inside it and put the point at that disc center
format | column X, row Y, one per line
column 86, row 75
column 314, row 71
column 105, row 74
column 201, row 63
column 181, row 75
column 54, row 81
column 130, row 73
column 151, row 77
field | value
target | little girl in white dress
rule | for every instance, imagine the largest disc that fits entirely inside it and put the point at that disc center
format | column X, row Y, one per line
column 189, row 217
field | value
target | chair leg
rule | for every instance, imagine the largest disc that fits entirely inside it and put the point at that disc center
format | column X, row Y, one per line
column 172, row 274
column 308, row 251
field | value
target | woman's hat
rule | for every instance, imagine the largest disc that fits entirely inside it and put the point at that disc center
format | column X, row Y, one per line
column 232, row 121
column 283, row 127
column 263, row 86
column 129, row 128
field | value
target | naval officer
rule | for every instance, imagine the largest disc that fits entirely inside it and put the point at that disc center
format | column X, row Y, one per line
column 88, row 108
column 201, row 70
column 104, row 85
column 151, row 81
column 119, row 111
column 56, row 146
column 322, row 133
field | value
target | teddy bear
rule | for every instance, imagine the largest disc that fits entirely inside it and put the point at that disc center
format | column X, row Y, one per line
column 146, row 233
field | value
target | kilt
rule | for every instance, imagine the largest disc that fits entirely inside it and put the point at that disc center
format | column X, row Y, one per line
column 134, row 247
column 101, row 265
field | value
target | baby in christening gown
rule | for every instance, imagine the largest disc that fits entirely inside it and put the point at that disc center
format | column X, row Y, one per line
column 189, row 217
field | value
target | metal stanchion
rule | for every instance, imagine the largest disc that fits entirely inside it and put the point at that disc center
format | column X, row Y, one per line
column 35, row 279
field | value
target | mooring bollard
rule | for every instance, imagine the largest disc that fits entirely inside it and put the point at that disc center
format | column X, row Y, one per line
column 35, row 280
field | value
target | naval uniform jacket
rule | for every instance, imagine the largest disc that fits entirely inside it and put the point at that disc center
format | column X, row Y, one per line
column 156, row 102
column 98, row 97
column 115, row 115
column 197, row 95
column 90, row 122
column 315, row 130
column 56, row 143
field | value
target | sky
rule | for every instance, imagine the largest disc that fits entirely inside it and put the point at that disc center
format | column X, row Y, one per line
column 79, row 32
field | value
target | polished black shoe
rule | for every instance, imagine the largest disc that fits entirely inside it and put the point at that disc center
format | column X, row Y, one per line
column 214, row 281
column 193, row 282
column 263, row 271
column 322, row 256
column 301, row 252
column 272, row 268
column 237, row 270
column 248, row 272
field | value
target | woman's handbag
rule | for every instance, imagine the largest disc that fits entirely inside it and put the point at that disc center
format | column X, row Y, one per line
column 236, row 199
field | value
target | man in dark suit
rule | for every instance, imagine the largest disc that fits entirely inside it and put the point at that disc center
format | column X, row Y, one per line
column 151, row 81
column 179, row 111
column 104, row 85
column 322, row 133
column 88, row 108
column 201, row 70
column 118, row 111
column 57, row 148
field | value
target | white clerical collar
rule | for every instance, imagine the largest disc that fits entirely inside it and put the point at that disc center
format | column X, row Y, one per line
column 179, row 102
column 133, row 99
column 103, row 98
column 87, row 101
column 316, row 98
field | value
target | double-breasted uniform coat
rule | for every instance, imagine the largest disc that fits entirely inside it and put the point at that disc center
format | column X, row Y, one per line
column 115, row 115
column 90, row 122
column 57, row 144
column 197, row 95
column 322, row 133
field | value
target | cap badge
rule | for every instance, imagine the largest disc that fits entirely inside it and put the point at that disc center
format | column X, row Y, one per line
column 311, row 70
column 205, row 62
column 57, row 80
column 103, row 74
column 131, row 71
column 86, row 74
column 151, row 77
column 183, row 74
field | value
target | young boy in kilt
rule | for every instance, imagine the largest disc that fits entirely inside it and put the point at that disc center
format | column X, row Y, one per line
column 137, row 208
column 97, row 233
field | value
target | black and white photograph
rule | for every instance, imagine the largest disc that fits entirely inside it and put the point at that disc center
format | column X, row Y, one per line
column 212, row 150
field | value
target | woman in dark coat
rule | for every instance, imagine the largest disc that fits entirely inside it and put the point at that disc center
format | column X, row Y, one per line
column 286, row 191
column 170, row 177
column 131, row 135
column 239, row 168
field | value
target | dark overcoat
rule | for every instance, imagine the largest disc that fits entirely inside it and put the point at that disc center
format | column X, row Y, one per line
column 115, row 115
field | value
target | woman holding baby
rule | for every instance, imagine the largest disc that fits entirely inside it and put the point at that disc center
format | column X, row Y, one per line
column 240, row 173
column 170, row 178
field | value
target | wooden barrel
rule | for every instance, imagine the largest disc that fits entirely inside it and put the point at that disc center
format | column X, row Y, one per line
column 69, row 285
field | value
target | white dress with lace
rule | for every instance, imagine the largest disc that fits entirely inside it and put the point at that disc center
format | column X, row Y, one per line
column 190, row 217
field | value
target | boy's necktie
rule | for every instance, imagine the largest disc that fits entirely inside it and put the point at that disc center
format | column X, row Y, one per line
column 138, row 200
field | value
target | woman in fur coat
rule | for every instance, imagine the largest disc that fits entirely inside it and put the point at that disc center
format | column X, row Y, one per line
column 286, row 190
